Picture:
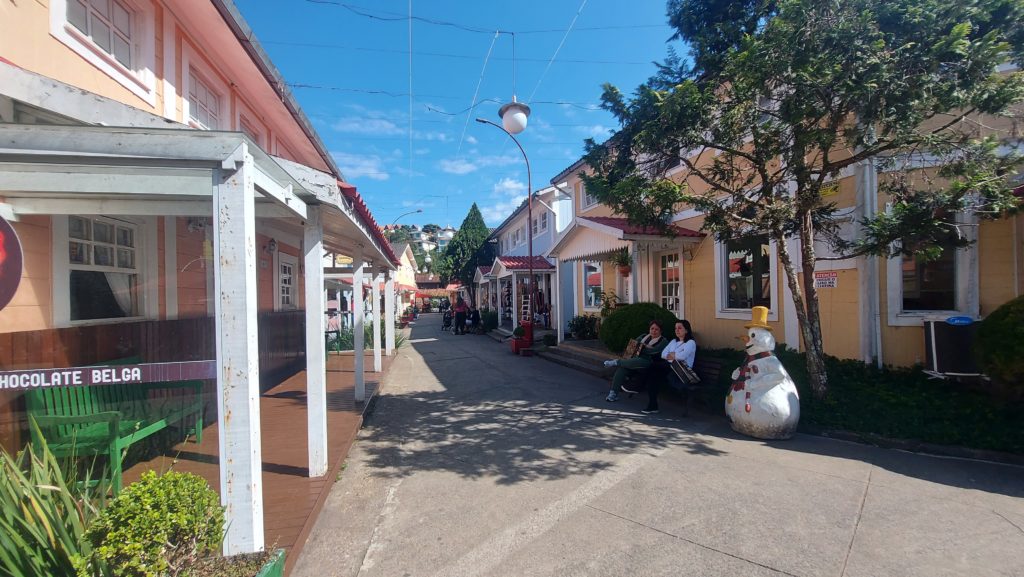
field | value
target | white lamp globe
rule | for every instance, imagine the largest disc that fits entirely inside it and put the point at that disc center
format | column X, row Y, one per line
column 514, row 116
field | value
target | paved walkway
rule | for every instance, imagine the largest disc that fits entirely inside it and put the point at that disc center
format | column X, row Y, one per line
column 477, row 462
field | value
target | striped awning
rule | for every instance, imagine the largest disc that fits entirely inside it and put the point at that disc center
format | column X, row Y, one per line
column 582, row 243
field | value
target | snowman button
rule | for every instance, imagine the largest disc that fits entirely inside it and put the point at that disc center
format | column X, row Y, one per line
column 754, row 368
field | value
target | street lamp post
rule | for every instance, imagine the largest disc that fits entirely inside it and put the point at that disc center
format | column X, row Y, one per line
column 406, row 214
column 513, row 121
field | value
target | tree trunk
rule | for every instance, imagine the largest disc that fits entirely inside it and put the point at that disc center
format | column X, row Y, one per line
column 807, row 311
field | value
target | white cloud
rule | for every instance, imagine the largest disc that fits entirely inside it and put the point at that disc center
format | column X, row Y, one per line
column 476, row 162
column 458, row 166
column 470, row 139
column 354, row 166
column 512, row 192
column 594, row 131
column 363, row 125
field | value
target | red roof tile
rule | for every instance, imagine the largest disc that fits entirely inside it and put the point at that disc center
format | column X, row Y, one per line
column 484, row 269
column 523, row 263
column 629, row 228
column 350, row 192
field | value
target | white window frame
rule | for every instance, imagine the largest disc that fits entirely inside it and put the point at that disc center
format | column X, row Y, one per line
column 284, row 258
column 586, row 288
column 140, row 79
column 244, row 116
column 587, row 201
column 146, row 261
column 191, row 61
column 721, row 285
column 967, row 298
column 679, row 281
column 540, row 224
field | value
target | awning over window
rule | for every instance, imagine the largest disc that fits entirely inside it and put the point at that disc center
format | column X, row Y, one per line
column 582, row 243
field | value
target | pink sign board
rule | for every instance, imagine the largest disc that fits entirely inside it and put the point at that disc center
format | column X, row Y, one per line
column 10, row 262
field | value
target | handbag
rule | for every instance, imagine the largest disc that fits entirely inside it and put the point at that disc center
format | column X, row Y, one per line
column 684, row 372
column 632, row 349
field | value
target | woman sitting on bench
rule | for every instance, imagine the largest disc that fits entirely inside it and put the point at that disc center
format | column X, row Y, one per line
column 683, row 349
column 651, row 346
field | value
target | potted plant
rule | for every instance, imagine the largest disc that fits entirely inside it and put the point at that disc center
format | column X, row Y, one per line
column 623, row 261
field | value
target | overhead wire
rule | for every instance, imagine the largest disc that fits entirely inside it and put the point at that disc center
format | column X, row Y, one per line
column 557, row 50
column 396, row 17
column 476, row 92
column 445, row 54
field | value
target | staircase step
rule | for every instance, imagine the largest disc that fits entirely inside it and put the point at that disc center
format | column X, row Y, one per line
column 584, row 366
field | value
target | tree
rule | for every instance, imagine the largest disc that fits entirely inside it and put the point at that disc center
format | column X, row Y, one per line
column 431, row 229
column 779, row 98
column 467, row 250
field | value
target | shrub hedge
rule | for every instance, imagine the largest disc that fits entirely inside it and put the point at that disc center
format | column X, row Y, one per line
column 896, row 403
column 999, row 344
column 629, row 321
column 158, row 526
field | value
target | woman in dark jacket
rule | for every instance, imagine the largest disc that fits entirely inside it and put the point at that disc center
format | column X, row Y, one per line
column 651, row 346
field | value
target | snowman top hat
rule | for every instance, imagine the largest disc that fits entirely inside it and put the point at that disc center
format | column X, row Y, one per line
column 759, row 319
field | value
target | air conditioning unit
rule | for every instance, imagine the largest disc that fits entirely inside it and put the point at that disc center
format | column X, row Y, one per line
column 949, row 347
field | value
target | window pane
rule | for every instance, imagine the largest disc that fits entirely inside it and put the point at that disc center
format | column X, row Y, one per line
column 122, row 51
column 100, row 34
column 592, row 278
column 78, row 228
column 748, row 269
column 101, row 7
column 97, row 295
column 930, row 286
column 122, row 20
column 125, row 237
column 103, row 256
column 78, row 253
column 125, row 258
column 104, row 232
column 78, row 15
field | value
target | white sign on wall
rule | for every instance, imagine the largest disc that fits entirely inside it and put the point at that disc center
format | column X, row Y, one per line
column 826, row 279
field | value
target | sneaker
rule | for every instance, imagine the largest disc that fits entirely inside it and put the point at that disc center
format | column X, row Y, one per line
column 612, row 397
column 626, row 389
column 611, row 363
column 649, row 411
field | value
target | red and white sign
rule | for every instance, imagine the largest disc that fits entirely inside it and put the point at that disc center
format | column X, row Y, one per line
column 826, row 279
column 10, row 262
column 108, row 375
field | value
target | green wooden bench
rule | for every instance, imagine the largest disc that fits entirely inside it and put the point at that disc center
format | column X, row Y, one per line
column 107, row 419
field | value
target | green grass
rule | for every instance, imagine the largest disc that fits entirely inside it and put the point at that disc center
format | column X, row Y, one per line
column 894, row 403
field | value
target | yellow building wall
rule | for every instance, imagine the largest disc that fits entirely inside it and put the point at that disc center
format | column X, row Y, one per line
column 996, row 266
column 840, row 315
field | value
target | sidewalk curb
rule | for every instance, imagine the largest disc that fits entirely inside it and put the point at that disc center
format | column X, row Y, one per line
column 922, row 448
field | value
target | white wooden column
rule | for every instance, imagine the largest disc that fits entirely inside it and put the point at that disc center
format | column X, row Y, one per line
column 316, row 362
column 375, row 283
column 559, row 320
column 515, row 303
column 358, row 321
column 389, row 313
column 238, row 379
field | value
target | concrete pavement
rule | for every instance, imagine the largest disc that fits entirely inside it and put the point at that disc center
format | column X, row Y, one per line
column 478, row 462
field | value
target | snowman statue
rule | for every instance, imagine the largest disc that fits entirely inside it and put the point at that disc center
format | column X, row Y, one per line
column 763, row 401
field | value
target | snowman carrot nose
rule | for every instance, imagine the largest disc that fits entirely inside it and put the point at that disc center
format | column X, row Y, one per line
column 743, row 338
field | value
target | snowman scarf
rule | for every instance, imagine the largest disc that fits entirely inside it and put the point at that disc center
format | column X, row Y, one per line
column 740, row 384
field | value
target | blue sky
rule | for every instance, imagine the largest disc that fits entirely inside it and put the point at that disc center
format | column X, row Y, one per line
column 349, row 66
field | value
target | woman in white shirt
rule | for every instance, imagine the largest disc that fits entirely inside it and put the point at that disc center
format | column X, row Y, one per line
column 683, row 349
